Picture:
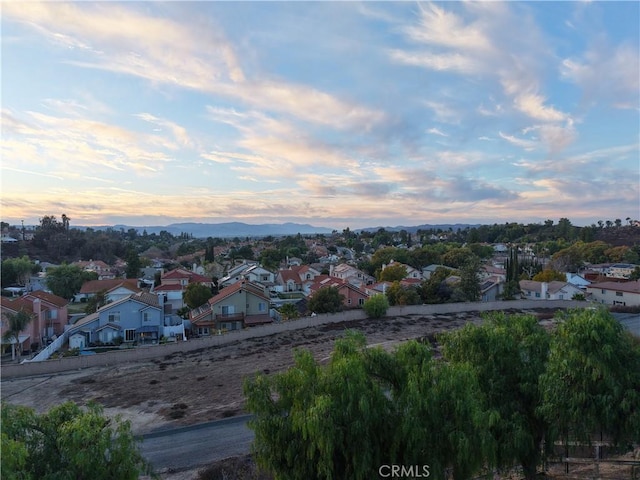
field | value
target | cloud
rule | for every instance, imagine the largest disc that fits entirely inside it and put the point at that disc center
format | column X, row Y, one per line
column 607, row 73
column 76, row 144
column 527, row 145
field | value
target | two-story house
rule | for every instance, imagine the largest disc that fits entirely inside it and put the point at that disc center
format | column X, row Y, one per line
column 354, row 297
column 240, row 305
column 136, row 318
column 100, row 268
column 297, row 278
column 48, row 312
column 173, row 284
column 615, row 293
column 351, row 274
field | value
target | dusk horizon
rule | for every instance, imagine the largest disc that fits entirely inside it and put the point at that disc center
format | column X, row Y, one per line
column 331, row 114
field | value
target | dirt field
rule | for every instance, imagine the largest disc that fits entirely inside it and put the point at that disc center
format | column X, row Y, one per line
column 199, row 386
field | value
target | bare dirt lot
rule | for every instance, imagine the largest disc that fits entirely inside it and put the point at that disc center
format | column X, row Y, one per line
column 203, row 385
column 194, row 387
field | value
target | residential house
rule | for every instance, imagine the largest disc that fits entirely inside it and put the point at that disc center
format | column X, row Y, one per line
column 555, row 290
column 351, row 274
column 49, row 316
column 411, row 271
column 236, row 273
column 240, row 305
column 430, row 270
column 173, row 284
column 489, row 271
column 114, row 289
column 621, row 270
column 258, row 274
column 137, row 318
column 354, row 297
column 100, row 268
column 615, row 293
column 296, row 278
column 491, row 288
column 577, row 280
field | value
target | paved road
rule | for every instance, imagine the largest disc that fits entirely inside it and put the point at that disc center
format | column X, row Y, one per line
column 631, row 321
column 197, row 445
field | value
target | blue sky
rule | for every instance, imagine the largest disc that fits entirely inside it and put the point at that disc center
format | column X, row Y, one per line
column 338, row 114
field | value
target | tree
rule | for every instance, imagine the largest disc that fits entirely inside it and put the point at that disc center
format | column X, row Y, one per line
column 469, row 286
column 69, row 442
column 592, row 380
column 366, row 408
column 288, row 311
column 133, row 264
column 326, row 300
column 436, row 289
column 397, row 294
column 456, row 257
column 392, row 273
column 17, row 270
column 196, row 294
column 96, row 301
column 66, row 280
column 550, row 275
column 507, row 354
column 512, row 284
column 16, row 322
column 376, row 306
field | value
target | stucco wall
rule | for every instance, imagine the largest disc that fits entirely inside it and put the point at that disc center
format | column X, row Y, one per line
column 146, row 353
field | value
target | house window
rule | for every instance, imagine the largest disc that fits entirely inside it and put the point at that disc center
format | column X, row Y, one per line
column 537, row 295
column 203, row 330
column 130, row 335
column 361, row 301
column 603, row 291
column 146, row 317
column 262, row 307
column 349, row 302
column 52, row 314
column 618, row 294
column 265, row 278
column 114, row 317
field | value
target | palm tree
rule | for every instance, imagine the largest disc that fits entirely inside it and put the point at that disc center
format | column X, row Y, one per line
column 16, row 323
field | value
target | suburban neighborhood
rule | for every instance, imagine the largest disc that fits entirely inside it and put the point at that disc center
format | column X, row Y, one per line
column 238, row 284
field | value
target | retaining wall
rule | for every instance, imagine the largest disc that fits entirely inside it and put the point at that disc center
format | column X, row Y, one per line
column 142, row 353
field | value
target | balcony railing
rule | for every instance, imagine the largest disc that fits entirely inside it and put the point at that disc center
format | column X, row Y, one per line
column 229, row 317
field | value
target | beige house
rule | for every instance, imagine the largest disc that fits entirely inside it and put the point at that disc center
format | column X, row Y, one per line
column 243, row 304
column 616, row 293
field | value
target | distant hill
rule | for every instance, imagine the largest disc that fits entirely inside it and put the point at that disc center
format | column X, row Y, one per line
column 226, row 230
column 445, row 227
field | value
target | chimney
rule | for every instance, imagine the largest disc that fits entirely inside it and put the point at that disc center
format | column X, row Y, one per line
column 543, row 290
column 39, row 326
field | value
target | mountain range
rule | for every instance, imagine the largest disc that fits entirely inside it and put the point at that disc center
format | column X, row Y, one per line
column 239, row 229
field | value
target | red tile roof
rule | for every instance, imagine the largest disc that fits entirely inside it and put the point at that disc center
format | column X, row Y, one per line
column 182, row 273
column 48, row 297
column 95, row 286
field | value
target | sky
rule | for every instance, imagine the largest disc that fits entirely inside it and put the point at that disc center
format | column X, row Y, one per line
column 336, row 114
